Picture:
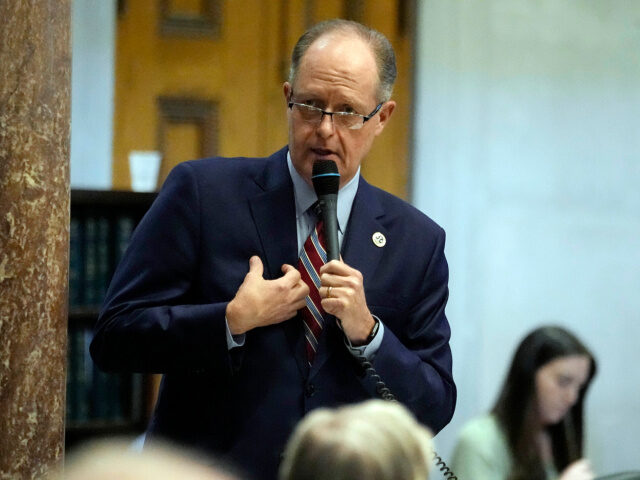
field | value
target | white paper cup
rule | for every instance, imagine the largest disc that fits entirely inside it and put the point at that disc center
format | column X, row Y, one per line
column 144, row 167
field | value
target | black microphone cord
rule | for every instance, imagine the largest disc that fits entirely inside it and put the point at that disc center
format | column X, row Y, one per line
column 384, row 393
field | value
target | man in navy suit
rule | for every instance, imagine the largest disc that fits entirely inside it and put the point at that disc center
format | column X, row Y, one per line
column 208, row 292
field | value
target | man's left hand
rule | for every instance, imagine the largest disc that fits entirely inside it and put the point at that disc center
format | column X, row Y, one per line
column 343, row 296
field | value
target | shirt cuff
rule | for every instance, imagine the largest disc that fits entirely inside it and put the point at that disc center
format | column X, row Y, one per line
column 233, row 341
column 367, row 351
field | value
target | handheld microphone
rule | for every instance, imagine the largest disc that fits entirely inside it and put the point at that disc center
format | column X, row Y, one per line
column 326, row 182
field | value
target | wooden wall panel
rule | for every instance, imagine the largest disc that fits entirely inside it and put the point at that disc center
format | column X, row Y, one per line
column 241, row 69
column 227, row 70
column 187, row 129
column 388, row 163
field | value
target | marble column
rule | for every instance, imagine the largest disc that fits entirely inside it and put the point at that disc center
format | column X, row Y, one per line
column 34, row 233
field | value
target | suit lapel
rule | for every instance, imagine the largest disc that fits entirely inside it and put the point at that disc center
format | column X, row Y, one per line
column 274, row 215
column 273, row 210
column 359, row 249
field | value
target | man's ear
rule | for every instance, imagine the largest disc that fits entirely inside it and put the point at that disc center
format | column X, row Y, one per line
column 384, row 114
column 287, row 89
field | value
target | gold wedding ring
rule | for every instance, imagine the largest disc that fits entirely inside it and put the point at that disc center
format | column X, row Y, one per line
column 329, row 292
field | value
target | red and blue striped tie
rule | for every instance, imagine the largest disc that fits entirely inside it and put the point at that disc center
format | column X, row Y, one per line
column 312, row 258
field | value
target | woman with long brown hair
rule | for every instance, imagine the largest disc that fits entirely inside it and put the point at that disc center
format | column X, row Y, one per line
column 535, row 429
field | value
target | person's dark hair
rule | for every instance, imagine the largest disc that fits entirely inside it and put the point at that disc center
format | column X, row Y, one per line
column 516, row 411
column 382, row 50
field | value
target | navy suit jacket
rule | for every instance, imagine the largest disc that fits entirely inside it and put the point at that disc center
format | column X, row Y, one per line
column 165, row 311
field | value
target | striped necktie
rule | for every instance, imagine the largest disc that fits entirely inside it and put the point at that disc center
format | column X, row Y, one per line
column 312, row 258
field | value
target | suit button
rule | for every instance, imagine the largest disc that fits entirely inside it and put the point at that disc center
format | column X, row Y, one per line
column 310, row 390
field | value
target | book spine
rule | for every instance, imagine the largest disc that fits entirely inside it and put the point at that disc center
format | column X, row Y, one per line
column 102, row 259
column 123, row 230
column 76, row 263
column 90, row 264
column 81, row 376
column 72, row 400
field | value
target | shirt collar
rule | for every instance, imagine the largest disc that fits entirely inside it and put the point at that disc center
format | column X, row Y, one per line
column 306, row 196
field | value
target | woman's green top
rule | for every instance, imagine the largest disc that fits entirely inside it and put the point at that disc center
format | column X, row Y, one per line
column 482, row 452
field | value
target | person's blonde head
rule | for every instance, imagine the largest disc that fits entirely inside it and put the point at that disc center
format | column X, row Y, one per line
column 376, row 440
column 111, row 459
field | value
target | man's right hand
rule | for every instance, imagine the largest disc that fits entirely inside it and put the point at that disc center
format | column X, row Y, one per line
column 259, row 302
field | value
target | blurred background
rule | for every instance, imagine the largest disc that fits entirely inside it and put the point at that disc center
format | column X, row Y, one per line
column 517, row 130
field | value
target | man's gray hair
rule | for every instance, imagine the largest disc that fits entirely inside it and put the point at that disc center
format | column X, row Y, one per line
column 380, row 46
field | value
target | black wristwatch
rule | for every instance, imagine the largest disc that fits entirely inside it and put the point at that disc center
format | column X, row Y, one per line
column 374, row 331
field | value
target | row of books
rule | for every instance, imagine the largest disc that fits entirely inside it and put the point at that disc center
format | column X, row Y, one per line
column 97, row 244
column 95, row 396
column 100, row 229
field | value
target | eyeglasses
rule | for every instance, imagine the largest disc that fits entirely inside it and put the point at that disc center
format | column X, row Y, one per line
column 349, row 120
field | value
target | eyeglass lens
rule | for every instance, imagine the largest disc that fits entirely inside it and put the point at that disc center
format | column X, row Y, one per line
column 340, row 119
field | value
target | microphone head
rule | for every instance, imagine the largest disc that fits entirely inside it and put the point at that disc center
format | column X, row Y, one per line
column 325, row 177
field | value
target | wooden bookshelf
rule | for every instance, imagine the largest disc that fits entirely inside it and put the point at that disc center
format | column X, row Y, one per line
column 100, row 404
column 112, row 199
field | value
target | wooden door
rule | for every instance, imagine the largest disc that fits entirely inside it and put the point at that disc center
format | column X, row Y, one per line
column 204, row 77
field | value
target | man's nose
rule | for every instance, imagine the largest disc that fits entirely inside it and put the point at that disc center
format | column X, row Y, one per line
column 325, row 127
